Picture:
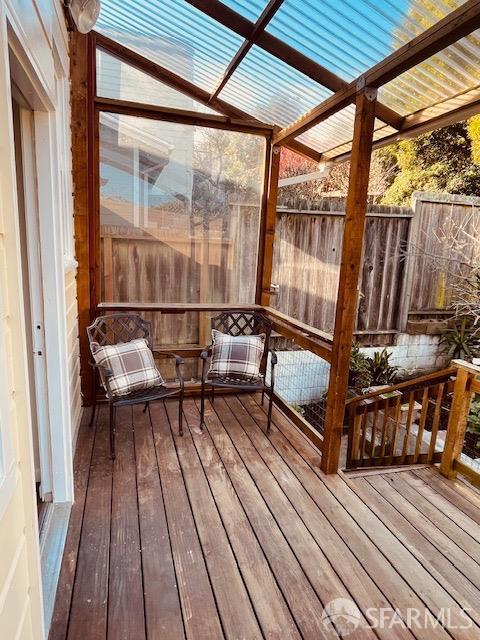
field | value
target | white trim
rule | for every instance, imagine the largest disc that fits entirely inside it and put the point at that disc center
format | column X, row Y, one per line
column 54, row 306
column 35, row 298
column 50, row 210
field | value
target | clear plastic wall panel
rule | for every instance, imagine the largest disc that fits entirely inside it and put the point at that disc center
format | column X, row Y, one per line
column 452, row 72
column 271, row 90
column 179, row 213
column 121, row 81
column 172, row 33
column 250, row 9
column 350, row 36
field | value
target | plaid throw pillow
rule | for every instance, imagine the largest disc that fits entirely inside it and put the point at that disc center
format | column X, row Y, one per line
column 236, row 357
column 132, row 365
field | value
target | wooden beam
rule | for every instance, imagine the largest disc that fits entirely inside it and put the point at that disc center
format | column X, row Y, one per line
column 265, row 17
column 266, row 247
column 284, row 52
column 171, row 79
column 352, row 246
column 82, row 77
column 182, row 116
column 172, row 307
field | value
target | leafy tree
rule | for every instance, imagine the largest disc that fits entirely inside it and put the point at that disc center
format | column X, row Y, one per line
column 444, row 160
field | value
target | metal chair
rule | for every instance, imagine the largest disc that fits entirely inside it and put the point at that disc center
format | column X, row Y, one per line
column 120, row 328
column 240, row 323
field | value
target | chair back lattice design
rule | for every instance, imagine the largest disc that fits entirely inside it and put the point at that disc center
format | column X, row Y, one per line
column 242, row 323
column 118, row 328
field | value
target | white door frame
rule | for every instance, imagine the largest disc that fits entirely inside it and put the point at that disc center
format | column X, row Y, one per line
column 36, row 298
column 53, row 274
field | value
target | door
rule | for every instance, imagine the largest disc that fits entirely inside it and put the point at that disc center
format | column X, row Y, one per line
column 33, row 291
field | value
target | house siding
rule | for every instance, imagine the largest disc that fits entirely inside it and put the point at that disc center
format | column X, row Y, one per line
column 39, row 26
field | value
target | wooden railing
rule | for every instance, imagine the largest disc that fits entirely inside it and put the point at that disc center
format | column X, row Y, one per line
column 305, row 336
column 467, row 384
column 389, row 426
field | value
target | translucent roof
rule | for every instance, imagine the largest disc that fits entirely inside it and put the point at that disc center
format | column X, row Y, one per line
column 350, row 36
column 345, row 38
column 270, row 90
column 172, row 33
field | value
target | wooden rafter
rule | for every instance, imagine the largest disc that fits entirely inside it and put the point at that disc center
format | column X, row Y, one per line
column 454, row 26
column 267, row 14
column 175, row 81
column 284, row 52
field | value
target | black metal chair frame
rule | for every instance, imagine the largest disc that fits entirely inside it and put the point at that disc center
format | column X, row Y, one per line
column 241, row 323
column 121, row 328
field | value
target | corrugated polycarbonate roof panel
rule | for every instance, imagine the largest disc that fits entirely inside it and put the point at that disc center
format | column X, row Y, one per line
column 381, row 131
column 250, row 9
column 331, row 132
column 350, row 36
column 172, row 33
column 270, row 90
column 337, row 131
column 449, row 73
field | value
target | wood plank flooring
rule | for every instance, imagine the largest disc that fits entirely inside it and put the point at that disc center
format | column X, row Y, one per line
column 228, row 533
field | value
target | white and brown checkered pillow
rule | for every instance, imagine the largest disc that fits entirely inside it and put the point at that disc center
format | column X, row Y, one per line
column 236, row 357
column 132, row 365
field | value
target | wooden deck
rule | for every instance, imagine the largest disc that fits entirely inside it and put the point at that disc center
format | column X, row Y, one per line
column 230, row 534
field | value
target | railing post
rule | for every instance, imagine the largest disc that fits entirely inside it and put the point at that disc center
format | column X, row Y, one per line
column 352, row 247
column 457, row 422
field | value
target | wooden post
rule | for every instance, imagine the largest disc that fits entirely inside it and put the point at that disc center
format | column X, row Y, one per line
column 267, row 229
column 82, row 74
column 457, row 421
column 353, row 233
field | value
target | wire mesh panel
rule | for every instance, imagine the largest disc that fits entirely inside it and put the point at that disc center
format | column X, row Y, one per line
column 301, row 380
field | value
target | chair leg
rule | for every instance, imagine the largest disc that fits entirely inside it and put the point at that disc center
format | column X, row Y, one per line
column 213, row 394
column 202, row 406
column 263, row 398
column 269, row 418
column 180, row 415
column 94, row 411
column 149, row 413
column 147, row 406
column 112, row 431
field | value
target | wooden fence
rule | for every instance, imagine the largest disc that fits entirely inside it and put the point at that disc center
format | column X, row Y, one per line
column 397, row 280
column 219, row 265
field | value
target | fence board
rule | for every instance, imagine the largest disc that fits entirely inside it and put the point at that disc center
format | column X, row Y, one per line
column 307, row 260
